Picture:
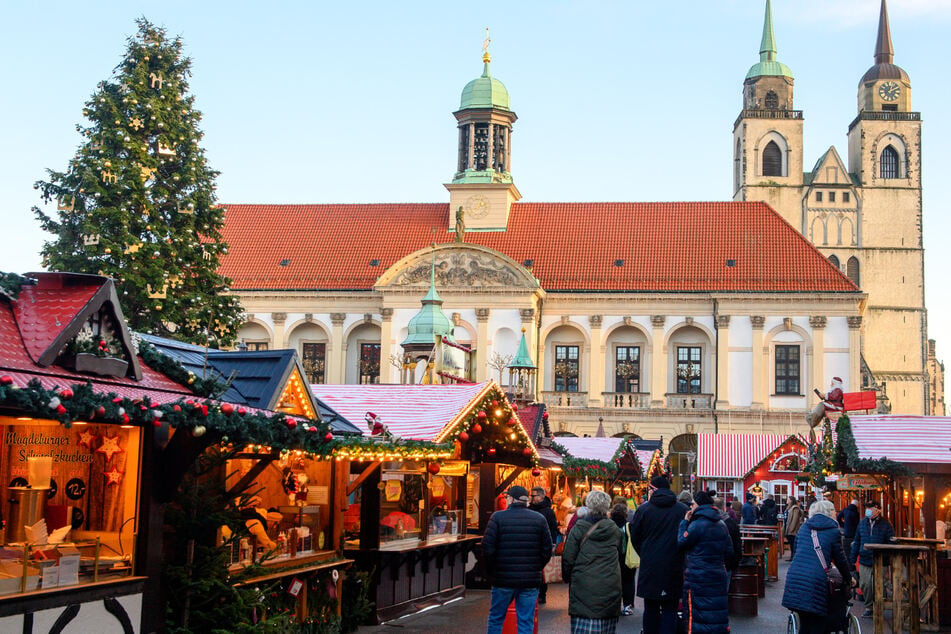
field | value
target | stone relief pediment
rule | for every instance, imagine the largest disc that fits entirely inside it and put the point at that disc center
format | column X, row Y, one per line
column 459, row 269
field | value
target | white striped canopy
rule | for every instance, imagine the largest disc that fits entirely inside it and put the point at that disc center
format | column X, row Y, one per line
column 732, row 456
column 411, row 412
column 903, row 438
column 602, row 449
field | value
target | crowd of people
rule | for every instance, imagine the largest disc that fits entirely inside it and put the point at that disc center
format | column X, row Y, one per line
column 677, row 553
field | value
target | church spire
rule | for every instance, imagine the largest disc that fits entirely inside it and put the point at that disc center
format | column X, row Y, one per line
column 884, row 53
column 767, row 47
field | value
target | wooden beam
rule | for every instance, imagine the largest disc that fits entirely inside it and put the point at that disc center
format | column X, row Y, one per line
column 253, row 472
column 353, row 486
column 504, row 484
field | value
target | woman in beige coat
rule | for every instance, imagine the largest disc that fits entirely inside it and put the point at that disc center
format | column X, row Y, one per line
column 794, row 519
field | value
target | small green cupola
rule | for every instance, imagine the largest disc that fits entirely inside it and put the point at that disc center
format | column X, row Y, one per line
column 485, row 91
column 768, row 66
column 522, row 371
column 430, row 323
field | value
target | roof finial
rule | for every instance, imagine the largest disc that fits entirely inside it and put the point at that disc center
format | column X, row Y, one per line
column 884, row 53
column 485, row 47
column 767, row 47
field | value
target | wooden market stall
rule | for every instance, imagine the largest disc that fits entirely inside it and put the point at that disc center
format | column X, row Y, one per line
column 612, row 465
column 910, row 456
column 419, row 503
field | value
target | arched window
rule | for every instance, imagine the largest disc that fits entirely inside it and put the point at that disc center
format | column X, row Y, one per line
column 773, row 160
column 889, row 162
column 772, row 100
column 835, row 261
column 852, row 270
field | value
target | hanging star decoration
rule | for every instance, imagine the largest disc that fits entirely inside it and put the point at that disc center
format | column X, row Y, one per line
column 136, row 123
column 86, row 439
column 113, row 476
column 109, row 446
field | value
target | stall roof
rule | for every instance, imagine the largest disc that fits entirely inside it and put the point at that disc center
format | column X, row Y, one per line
column 412, row 412
column 603, row 449
column 646, row 457
column 732, row 456
column 910, row 439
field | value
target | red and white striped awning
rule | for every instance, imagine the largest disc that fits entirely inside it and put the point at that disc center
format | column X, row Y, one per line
column 602, row 449
column 903, row 438
column 732, row 456
column 412, row 412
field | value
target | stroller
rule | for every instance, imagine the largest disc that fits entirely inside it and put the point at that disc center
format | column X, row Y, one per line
column 840, row 619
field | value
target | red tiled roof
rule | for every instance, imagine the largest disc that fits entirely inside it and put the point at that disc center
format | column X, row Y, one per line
column 665, row 247
column 42, row 313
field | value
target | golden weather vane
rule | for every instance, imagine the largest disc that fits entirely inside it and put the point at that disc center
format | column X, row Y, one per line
column 485, row 47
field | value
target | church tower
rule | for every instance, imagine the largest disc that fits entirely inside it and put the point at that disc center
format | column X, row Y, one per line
column 482, row 186
column 767, row 136
column 885, row 160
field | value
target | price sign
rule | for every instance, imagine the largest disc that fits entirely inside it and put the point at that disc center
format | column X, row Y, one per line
column 75, row 489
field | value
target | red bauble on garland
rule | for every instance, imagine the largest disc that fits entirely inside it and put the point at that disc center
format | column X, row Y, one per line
column 481, row 415
column 544, row 415
column 464, row 437
column 6, row 380
column 511, row 422
column 491, row 451
column 494, row 403
column 433, row 467
column 477, row 429
column 527, row 451
column 242, row 411
column 227, row 409
column 66, row 394
column 291, row 423
column 536, row 472
column 328, row 436
column 514, row 407
column 100, row 411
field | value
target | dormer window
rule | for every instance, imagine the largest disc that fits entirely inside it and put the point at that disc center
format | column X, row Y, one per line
column 772, row 100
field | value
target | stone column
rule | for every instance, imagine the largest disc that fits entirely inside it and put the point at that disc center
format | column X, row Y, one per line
column 855, row 354
column 470, row 150
column 335, row 360
column 658, row 362
column 490, row 159
column 723, row 362
column 481, row 359
column 596, row 365
column 818, row 325
column 279, row 320
column 386, row 345
column 759, row 363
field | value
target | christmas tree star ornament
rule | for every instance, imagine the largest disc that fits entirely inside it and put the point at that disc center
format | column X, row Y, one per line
column 86, row 439
column 113, row 476
column 110, row 446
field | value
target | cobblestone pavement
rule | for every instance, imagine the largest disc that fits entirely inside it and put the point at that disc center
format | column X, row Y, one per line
column 470, row 613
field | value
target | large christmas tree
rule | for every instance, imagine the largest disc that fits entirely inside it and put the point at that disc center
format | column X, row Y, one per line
column 137, row 201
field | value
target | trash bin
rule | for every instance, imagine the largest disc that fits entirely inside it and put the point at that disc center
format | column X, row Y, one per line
column 27, row 507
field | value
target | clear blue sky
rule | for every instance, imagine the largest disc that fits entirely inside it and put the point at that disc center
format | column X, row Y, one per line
column 314, row 102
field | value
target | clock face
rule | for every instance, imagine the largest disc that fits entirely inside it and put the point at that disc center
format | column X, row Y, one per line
column 889, row 91
column 477, row 206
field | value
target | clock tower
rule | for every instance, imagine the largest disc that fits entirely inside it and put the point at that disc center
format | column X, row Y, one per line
column 767, row 135
column 482, row 185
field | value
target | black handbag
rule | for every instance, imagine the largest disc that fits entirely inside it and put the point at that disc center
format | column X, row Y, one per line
column 833, row 576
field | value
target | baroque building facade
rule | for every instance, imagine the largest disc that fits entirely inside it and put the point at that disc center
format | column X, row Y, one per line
column 662, row 320
column 864, row 214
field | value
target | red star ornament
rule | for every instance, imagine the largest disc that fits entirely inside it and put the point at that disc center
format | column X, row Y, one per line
column 86, row 439
column 113, row 476
column 110, row 446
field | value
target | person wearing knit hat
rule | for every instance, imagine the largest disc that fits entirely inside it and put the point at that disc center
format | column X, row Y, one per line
column 653, row 533
column 515, row 548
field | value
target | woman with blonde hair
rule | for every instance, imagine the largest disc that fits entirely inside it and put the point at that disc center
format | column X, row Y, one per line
column 591, row 565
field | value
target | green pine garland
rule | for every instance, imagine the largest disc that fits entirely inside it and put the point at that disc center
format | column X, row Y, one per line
column 582, row 467
column 11, row 283
column 494, row 433
column 879, row 466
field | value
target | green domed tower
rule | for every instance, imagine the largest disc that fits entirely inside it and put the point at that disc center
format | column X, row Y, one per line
column 482, row 186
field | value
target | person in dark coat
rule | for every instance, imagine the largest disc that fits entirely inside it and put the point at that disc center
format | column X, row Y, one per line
column 768, row 512
column 874, row 528
column 619, row 514
column 542, row 504
column 591, row 565
column 516, row 546
column 733, row 528
column 706, row 542
column 848, row 519
column 750, row 512
column 654, row 535
column 807, row 591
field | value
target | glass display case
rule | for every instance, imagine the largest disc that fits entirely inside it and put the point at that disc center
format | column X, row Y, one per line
column 402, row 503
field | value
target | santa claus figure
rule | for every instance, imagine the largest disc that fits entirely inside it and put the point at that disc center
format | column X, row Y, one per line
column 831, row 402
column 375, row 424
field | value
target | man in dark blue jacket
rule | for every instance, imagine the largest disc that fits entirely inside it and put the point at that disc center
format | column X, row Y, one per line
column 654, row 535
column 849, row 521
column 516, row 546
column 872, row 529
column 750, row 512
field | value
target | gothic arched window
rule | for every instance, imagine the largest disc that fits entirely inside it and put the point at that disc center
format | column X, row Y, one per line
column 852, row 270
column 772, row 160
column 889, row 162
column 834, row 260
column 772, row 100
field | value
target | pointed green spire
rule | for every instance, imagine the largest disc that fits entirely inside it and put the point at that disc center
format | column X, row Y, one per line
column 767, row 47
column 522, row 360
column 768, row 66
column 430, row 322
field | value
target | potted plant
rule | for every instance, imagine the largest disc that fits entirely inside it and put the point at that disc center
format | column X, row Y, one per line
column 94, row 354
